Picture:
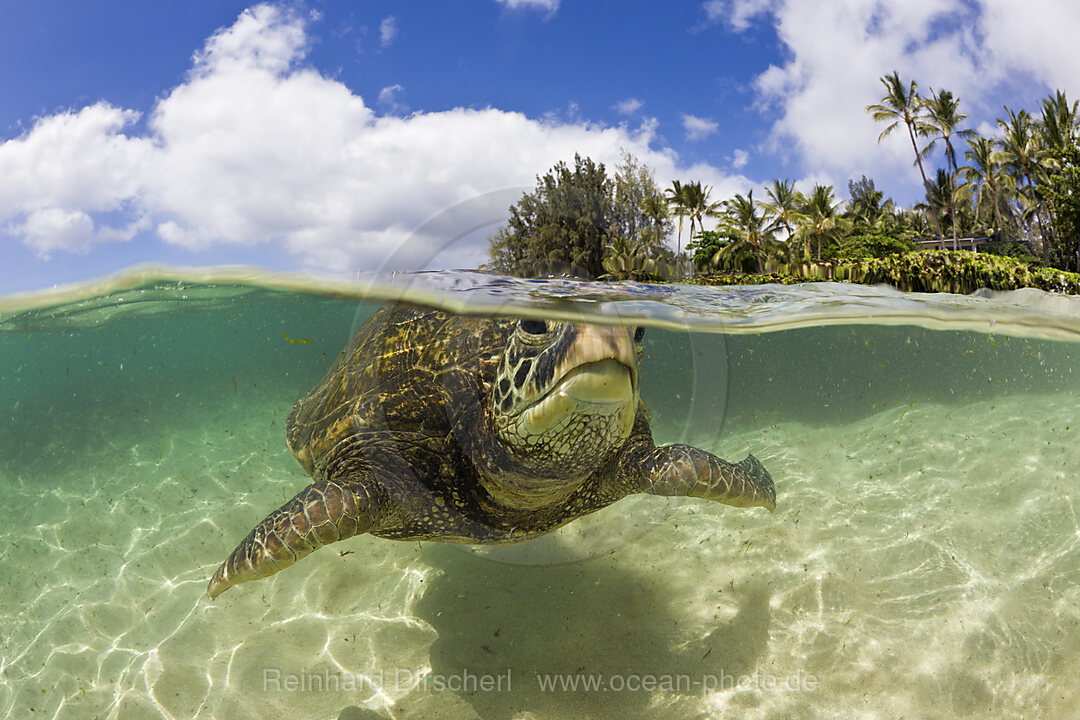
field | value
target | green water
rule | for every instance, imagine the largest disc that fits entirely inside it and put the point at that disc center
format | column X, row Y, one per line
column 923, row 560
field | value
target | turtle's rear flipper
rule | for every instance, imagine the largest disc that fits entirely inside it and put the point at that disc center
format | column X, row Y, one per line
column 686, row 471
column 322, row 513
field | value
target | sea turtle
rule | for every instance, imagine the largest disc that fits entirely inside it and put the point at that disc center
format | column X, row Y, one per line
column 469, row 429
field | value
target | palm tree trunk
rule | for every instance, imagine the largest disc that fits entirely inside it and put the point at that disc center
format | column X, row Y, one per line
column 952, row 214
column 925, row 182
column 757, row 254
column 1038, row 220
column 787, row 240
column 950, row 163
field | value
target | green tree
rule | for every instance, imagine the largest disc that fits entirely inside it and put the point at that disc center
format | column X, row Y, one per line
column 939, row 121
column 748, row 228
column 712, row 249
column 988, row 186
column 655, row 210
column 1060, row 122
column 1024, row 156
column 567, row 220
column 868, row 208
column 676, row 199
column 785, row 204
column 506, row 253
column 696, row 201
column 823, row 221
column 901, row 105
column 1063, row 196
column 937, row 205
column 634, row 184
column 626, row 259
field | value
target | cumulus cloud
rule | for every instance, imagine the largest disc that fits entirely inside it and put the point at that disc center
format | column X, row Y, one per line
column 388, row 30
column 697, row 128
column 739, row 159
column 629, row 106
column 255, row 146
column 986, row 51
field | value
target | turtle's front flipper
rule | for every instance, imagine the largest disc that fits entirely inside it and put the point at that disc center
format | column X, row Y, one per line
column 322, row 513
column 686, row 471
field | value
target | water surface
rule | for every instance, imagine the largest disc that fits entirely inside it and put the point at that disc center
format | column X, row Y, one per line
column 923, row 560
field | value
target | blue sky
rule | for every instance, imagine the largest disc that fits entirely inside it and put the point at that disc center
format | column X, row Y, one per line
column 343, row 136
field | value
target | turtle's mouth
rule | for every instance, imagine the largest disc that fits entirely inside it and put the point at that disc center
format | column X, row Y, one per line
column 596, row 388
column 601, row 383
column 559, row 439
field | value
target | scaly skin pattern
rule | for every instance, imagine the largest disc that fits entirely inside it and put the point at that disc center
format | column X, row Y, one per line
column 400, row 441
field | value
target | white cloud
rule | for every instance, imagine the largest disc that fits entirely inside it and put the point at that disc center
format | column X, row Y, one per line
column 1037, row 40
column 739, row 159
column 53, row 229
column 390, row 99
column 737, row 14
column 629, row 106
column 988, row 52
column 254, row 147
column 246, row 44
column 697, row 128
column 550, row 6
column 388, row 30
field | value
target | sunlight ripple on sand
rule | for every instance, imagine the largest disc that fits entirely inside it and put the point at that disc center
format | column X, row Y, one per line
column 927, row 563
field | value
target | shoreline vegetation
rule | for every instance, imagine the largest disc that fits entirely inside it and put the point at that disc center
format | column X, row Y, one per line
column 1016, row 202
column 948, row 271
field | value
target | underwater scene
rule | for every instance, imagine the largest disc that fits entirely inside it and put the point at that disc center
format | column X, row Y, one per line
column 922, row 559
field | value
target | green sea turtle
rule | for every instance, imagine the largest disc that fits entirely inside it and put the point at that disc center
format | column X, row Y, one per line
column 432, row 426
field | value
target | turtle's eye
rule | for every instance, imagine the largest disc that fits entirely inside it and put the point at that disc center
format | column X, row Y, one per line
column 639, row 334
column 533, row 327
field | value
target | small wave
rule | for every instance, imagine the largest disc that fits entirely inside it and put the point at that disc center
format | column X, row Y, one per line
column 148, row 290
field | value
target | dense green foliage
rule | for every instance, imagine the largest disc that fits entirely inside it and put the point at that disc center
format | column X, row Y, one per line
column 1015, row 250
column 579, row 221
column 566, row 221
column 868, row 246
column 924, row 271
column 1063, row 200
column 719, row 249
column 1017, row 196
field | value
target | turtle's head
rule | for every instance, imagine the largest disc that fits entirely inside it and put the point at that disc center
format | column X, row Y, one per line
column 564, row 397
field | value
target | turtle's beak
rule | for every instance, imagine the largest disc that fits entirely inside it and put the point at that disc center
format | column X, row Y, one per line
column 599, row 343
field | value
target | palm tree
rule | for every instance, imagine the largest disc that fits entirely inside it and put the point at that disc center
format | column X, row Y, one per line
column 1060, row 121
column 939, row 122
column 676, row 199
column 629, row 260
column 655, row 209
column 987, row 183
column 937, row 206
column 901, row 105
column 784, row 206
column 869, row 207
column 1023, row 154
column 696, row 199
column 916, row 222
column 822, row 217
column 741, row 219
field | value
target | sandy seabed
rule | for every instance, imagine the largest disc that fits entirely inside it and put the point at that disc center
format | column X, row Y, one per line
column 922, row 563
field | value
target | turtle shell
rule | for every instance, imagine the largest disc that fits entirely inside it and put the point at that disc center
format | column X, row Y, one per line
column 407, row 368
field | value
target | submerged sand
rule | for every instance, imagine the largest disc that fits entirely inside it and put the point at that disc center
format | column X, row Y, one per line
column 922, row 562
